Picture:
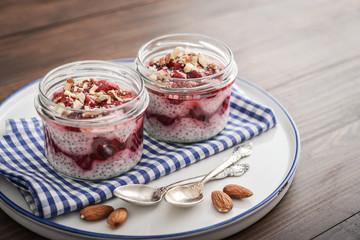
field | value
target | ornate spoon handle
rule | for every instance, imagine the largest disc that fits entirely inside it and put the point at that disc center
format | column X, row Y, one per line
column 240, row 151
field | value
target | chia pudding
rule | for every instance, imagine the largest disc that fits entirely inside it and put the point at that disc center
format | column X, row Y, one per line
column 93, row 119
column 189, row 88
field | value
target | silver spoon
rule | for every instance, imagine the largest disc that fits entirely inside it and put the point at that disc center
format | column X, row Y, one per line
column 145, row 195
column 187, row 196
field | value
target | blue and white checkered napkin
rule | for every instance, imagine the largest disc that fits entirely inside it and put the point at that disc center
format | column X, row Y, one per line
column 23, row 161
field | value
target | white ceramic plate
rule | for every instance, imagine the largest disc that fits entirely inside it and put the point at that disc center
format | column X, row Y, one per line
column 272, row 168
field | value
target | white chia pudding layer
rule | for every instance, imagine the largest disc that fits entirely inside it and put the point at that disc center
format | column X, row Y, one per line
column 187, row 130
column 178, row 124
column 92, row 154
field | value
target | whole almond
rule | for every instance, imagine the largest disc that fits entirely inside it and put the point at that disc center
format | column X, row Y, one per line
column 96, row 212
column 117, row 217
column 237, row 191
column 221, row 201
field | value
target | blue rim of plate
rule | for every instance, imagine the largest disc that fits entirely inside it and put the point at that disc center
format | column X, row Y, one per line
column 186, row 233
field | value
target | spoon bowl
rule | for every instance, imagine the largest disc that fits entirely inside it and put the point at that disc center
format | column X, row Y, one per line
column 130, row 193
column 182, row 196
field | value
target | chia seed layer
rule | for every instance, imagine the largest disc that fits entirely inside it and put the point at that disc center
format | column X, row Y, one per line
column 87, row 154
column 187, row 121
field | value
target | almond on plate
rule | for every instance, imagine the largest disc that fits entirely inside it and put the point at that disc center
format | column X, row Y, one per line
column 237, row 191
column 221, row 201
column 117, row 217
column 96, row 212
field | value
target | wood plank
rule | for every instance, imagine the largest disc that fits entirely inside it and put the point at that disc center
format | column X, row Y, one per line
column 10, row 229
column 347, row 230
column 326, row 104
column 325, row 190
column 310, row 35
column 22, row 15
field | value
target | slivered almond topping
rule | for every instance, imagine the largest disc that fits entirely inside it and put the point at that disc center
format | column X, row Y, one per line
column 189, row 67
column 183, row 63
column 68, row 84
column 114, row 95
column 70, row 94
column 202, row 60
column 81, row 97
column 168, row 58
column 88, row 94
column 103, row 98
column 93, row 89
column 194, row 59
column 77, row 104
column 176, row 52
column 162, row 61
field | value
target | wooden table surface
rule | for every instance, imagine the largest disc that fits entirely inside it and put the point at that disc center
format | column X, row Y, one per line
column 306, row 54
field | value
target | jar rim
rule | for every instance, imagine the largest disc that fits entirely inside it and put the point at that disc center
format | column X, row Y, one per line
column 221, row 72
column 104, row 63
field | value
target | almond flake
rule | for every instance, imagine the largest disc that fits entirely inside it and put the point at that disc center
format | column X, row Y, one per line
column 70, row 94
column 81, row 82
column 67, row 87
column 168, row 58
column 202, row 60
column 113, row 94
column 78, row 83
column 68, row 84
column 189, row 67
column 176, row 52
column 93, row 89
column 70, row 81
column 162, row 61
column 77, row 104
column 194, row 60
column 81, row 97
column 103, row 98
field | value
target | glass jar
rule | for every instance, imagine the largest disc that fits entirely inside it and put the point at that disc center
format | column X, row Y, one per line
column 93, row 144
column 197, row 110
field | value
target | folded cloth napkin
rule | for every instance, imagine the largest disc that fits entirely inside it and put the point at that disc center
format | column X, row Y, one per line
column 48, row 195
